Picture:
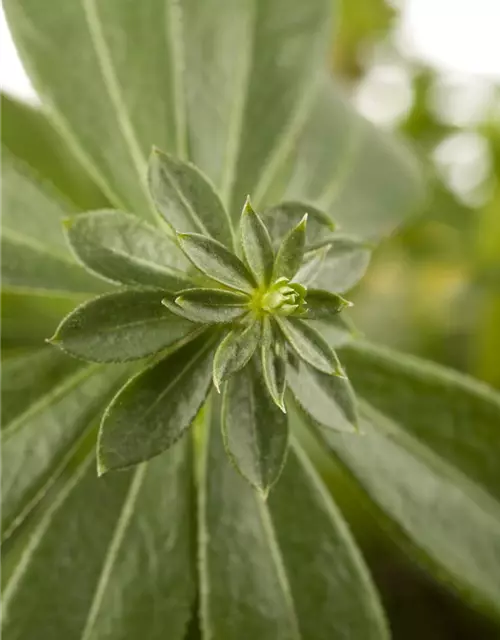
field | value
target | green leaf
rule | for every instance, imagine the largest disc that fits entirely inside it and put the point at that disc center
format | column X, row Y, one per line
column 28, row 375
column 119, row 247
column 121, row 326
column 211, row 305
column 337, row 330
column 256, row 245
column 454, row 415
column 323, row 305
column 324, row 400
column 273, row 360
column 312, row 264
column 368, row 181
column 214, row 260
column 30, row 137
column 281, row 217
column 264, row 59
column 291, row 252
column 343, row 266
column 63, row 588
column 185, row 198
column 254, row 429
column 443, row 519
column 303, row 581
column 235, row 351
column 39, row 441
column 309, row 345
column 155, row 407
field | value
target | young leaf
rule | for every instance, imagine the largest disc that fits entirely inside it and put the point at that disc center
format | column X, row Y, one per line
column 217, row 262
column 208, row 305
column 256, row 244
column 122, row 248
column 63, row 588
column 291, row 252
column 309, row 345
column 186, row 199
column 323, row 305
column 281, row 217
column 273, row 359
column 156, row 406
column 234, row 351
column 121, row 326
column 254, row 429
column 324, row 400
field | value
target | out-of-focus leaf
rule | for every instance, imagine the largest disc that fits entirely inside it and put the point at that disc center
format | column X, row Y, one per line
column 156, row 406
column 121, row 326
column 280, row 218
column 269, row 597
column 105, row 553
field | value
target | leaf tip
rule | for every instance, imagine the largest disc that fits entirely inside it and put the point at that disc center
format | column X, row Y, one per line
column 303, row 223
column 102, row 469
column 67, row 223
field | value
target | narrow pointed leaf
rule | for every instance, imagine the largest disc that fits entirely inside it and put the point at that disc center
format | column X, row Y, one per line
column 234, row 351
column 325, row 400
column 255, row 430
column 304, row 582
column 215, row 261
column 155, row 407
column 38, row 442
column 122, row 248
column 309, row 345
column 273, row 360
column 409, row 486
column 186, row 199
column 28, row 374
column 280, row 218
column 291, row 252
column 65, row 589
column 211, row 305
column 117, row 327
column 256, row 244
column 323, row 305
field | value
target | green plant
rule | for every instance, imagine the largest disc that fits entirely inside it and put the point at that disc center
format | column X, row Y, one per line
column 181, row 545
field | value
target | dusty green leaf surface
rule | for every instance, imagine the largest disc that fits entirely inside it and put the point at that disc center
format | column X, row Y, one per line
column 155, row 407
column 121, row 326
column 106, row 553
column 255, row 430
column 256, row 244
column 37, row 443
column 269, row 597
column 122, row 248
column 234, row 351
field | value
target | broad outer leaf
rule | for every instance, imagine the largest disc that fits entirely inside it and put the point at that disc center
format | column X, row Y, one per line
column 273, row 361
column 448, row 523
column 369, row 182
column 106, row 553
column 280, row 218
column 245, row 115
column 186, row 199
column 291, row 251
column 303, row 582
column 212, row 305
column 323, row 305
column 330, row 584
column 324, row 400
column 39, row 441
column 156, row 406
column 122, row 248
column 343, row 266
column 312, row 264
column 235, row 351
column 215, row 261
column 255, row 430
column 454, row 415
column 256, row 244
column 309, row 345
column 117, row 327
column 28, row 375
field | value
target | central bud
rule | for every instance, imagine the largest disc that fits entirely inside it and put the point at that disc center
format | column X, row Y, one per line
column 284, row 298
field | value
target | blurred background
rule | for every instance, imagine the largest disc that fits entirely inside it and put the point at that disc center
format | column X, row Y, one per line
column 429, row 70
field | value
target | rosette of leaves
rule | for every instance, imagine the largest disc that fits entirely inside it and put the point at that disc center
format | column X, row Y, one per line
column 181, row 546
column 240, row 323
